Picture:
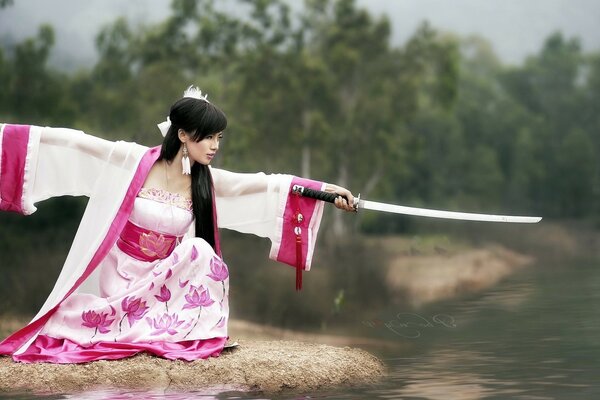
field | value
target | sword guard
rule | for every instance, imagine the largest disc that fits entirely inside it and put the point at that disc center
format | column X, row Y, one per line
column 356, row 202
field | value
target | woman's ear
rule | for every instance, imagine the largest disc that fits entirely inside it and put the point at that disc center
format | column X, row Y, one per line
column 182, row 135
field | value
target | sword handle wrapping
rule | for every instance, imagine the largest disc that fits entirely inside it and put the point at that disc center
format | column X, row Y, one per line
column 321, row 195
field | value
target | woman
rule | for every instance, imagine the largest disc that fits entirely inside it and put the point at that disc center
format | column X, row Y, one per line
column 145, row 271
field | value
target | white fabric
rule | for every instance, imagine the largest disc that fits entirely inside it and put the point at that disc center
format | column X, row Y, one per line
column 69, row 162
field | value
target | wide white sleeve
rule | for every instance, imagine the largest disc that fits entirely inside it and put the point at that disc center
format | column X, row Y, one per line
column 37, row 163
column 263, row 205
column 250, row 202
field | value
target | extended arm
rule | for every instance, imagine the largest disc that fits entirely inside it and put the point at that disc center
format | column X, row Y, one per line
column 37, row 163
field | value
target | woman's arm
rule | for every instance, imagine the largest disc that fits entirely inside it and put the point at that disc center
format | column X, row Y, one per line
column 37, row 163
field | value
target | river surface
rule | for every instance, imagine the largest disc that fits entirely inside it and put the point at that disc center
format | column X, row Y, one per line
column 536, row 335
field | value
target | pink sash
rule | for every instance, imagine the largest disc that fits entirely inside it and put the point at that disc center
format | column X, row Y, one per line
column 144, row 244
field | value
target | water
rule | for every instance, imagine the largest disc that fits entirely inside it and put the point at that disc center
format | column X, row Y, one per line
column 533, row 336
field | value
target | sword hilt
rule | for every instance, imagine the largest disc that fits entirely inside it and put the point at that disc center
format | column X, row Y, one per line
column 321, row 195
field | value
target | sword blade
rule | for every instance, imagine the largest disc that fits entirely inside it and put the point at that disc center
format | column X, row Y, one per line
column 425, row 212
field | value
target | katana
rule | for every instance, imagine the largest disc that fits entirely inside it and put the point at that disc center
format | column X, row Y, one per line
column 421, row 212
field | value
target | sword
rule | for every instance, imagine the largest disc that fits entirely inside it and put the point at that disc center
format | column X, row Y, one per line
column 421, row 212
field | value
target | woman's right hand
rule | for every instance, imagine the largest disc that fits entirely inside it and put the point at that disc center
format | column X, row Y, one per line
column 345, row 200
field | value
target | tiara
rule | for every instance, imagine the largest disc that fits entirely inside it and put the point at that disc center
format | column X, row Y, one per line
column 195, row 93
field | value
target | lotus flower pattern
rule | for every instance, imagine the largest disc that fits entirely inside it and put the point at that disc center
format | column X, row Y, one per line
column 154, row 245
column 165, row 324
column 197, row 297
column 165, row 294
column 99, row 321
column 218, row 270
column 135, row 309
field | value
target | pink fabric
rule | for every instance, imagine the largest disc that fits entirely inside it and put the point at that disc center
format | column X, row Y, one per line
column 65, row 351
column 306, row 206
column 144, row 244
column 12, row 171
column 19, row 338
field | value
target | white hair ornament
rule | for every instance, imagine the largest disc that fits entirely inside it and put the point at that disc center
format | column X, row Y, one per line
column 164, row 126
column 193, row 92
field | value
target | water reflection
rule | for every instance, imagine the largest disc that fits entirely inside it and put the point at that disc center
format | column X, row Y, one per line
column 209, row 393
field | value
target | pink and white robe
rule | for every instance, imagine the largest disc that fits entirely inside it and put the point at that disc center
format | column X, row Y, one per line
column 136, row 279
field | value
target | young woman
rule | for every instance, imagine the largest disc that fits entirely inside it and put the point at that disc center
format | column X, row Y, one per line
column 145, row 271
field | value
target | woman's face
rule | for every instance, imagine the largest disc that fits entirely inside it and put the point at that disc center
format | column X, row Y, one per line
column 204, row 150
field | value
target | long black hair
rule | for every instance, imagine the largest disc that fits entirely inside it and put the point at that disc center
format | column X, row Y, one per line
column 199, row 118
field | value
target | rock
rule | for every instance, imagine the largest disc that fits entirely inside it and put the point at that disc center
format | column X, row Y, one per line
column 266, row 366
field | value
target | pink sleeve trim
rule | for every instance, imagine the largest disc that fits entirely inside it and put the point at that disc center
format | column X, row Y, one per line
column 13, row 158
column 312, row 211
column 19, row 338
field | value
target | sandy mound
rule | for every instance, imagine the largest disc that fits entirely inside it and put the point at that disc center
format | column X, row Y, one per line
column 268, row 366
column 428, row 278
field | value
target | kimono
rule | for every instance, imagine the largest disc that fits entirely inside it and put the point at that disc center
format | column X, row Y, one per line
column 136, row 278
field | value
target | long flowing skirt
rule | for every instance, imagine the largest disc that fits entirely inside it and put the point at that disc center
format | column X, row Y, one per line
column 176, row 308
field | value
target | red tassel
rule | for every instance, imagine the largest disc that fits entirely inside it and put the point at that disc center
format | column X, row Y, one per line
column 298, row 262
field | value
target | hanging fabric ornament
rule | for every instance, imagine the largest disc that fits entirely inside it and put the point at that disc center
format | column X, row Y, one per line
column 185, row 162
column 164, row 126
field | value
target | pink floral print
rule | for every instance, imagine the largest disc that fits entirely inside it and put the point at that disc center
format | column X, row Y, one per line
column 218, row 270
column 218, row 273
column 165, row 324
column 164, row 296
column 154, row 245
column 197, row 297
column 197, row 300
column 134, row 309
column 98, row 321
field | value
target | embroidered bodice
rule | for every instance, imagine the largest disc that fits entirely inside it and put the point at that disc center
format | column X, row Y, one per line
column 163, row 196
column 162, row 211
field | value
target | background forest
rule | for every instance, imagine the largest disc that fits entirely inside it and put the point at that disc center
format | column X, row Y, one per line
column 320, row 92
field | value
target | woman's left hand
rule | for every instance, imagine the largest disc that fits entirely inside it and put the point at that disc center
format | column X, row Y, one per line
column 345, row 200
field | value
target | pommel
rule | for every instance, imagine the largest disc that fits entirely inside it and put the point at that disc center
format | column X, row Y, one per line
column 298, row 189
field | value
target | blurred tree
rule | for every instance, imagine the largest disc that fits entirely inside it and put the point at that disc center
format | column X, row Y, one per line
column 576, row 161
column 31, row 89
column 549, row 88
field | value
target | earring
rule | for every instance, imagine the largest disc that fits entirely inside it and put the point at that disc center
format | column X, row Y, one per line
column 185, row 161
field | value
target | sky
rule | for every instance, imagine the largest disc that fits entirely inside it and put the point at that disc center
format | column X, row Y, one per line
column 516, row 28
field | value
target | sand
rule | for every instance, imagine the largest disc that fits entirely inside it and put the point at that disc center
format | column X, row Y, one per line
column 426, row 278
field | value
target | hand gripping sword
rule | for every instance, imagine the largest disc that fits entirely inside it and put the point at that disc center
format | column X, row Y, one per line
column 422, row 212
